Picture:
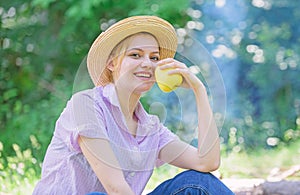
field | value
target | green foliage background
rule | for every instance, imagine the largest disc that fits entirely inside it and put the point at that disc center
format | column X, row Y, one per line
column 44, row 41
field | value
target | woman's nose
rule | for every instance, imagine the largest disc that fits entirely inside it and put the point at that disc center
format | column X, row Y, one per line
column 148, row 63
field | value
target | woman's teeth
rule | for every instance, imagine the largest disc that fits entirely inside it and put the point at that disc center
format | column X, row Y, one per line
column 145, row 75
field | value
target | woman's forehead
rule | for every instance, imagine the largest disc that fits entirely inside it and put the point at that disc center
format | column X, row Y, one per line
column 143, row 40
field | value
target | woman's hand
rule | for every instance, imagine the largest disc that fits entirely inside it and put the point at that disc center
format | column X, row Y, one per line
column 189, row 79
column 207, row 156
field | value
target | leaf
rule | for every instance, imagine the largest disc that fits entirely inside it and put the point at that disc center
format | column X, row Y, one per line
column 11, row 93
column 42, row 3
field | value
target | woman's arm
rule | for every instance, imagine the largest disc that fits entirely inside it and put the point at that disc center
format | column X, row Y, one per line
column 206, row 157
column 105, row 165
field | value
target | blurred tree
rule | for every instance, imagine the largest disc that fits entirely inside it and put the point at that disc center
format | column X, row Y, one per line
column 270, row 53
column 256, row 45
column 42, row 44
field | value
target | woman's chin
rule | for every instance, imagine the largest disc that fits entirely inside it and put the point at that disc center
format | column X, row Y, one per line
column 142, row 88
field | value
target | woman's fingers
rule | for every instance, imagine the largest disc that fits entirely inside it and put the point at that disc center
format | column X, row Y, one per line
column 182, row 71
column 170, row 63
column 176, row 67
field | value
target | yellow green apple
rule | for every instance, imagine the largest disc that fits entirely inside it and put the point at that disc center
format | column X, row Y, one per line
column 167, row 82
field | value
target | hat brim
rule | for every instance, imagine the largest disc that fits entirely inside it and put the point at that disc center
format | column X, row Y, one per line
column 103, row 45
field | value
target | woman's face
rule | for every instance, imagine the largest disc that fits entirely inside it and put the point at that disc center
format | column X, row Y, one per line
column 136, row 71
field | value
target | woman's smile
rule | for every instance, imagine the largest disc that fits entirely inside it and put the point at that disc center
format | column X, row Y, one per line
column 143, row 75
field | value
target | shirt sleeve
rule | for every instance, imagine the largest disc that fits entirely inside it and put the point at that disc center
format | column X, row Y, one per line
column 82, row 116
column 165, row 137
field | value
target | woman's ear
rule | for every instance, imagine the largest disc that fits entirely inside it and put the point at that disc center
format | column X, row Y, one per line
column 110, row 65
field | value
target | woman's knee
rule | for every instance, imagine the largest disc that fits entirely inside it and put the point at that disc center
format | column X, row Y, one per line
column 196, row 175
column 206, row 181
column 96, row 193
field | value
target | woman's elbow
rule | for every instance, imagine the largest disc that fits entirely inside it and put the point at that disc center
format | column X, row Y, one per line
column 118, row 189
column 209, row 166
column 214, row 166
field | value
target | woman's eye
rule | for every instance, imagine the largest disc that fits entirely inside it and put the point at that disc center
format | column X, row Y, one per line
column 135, row 55
column 155, row 58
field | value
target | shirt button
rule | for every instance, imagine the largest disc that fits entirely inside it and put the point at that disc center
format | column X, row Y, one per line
column 152, row 121
column 149, row 128
column 135, row 148
column 132, row 174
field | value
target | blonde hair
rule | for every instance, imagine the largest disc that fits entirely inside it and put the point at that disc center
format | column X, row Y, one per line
column 116, row 57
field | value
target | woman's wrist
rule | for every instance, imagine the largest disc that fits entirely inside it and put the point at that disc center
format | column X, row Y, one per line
column 199, row 88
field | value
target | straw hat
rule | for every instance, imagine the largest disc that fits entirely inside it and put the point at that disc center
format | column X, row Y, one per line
column 100, row 50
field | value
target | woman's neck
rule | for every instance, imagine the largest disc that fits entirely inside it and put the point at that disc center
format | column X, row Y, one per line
column 128, row 102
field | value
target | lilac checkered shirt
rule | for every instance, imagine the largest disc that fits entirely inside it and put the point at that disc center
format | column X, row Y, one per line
column 96, row 113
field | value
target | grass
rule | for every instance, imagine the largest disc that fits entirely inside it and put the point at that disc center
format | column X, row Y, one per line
column 260, row 163
column 20, row 177
column 256, row 164
column 20, row 174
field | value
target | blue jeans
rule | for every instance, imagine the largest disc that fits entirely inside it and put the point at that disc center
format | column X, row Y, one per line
column 190, row 183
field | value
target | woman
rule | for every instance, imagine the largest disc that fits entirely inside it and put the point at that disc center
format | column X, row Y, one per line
column 105, row 142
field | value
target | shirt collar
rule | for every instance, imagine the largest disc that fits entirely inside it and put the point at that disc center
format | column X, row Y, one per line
column 109, row 92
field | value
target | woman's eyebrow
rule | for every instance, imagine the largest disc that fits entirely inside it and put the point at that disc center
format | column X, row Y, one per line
column 134, row 49
column 139, row 49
